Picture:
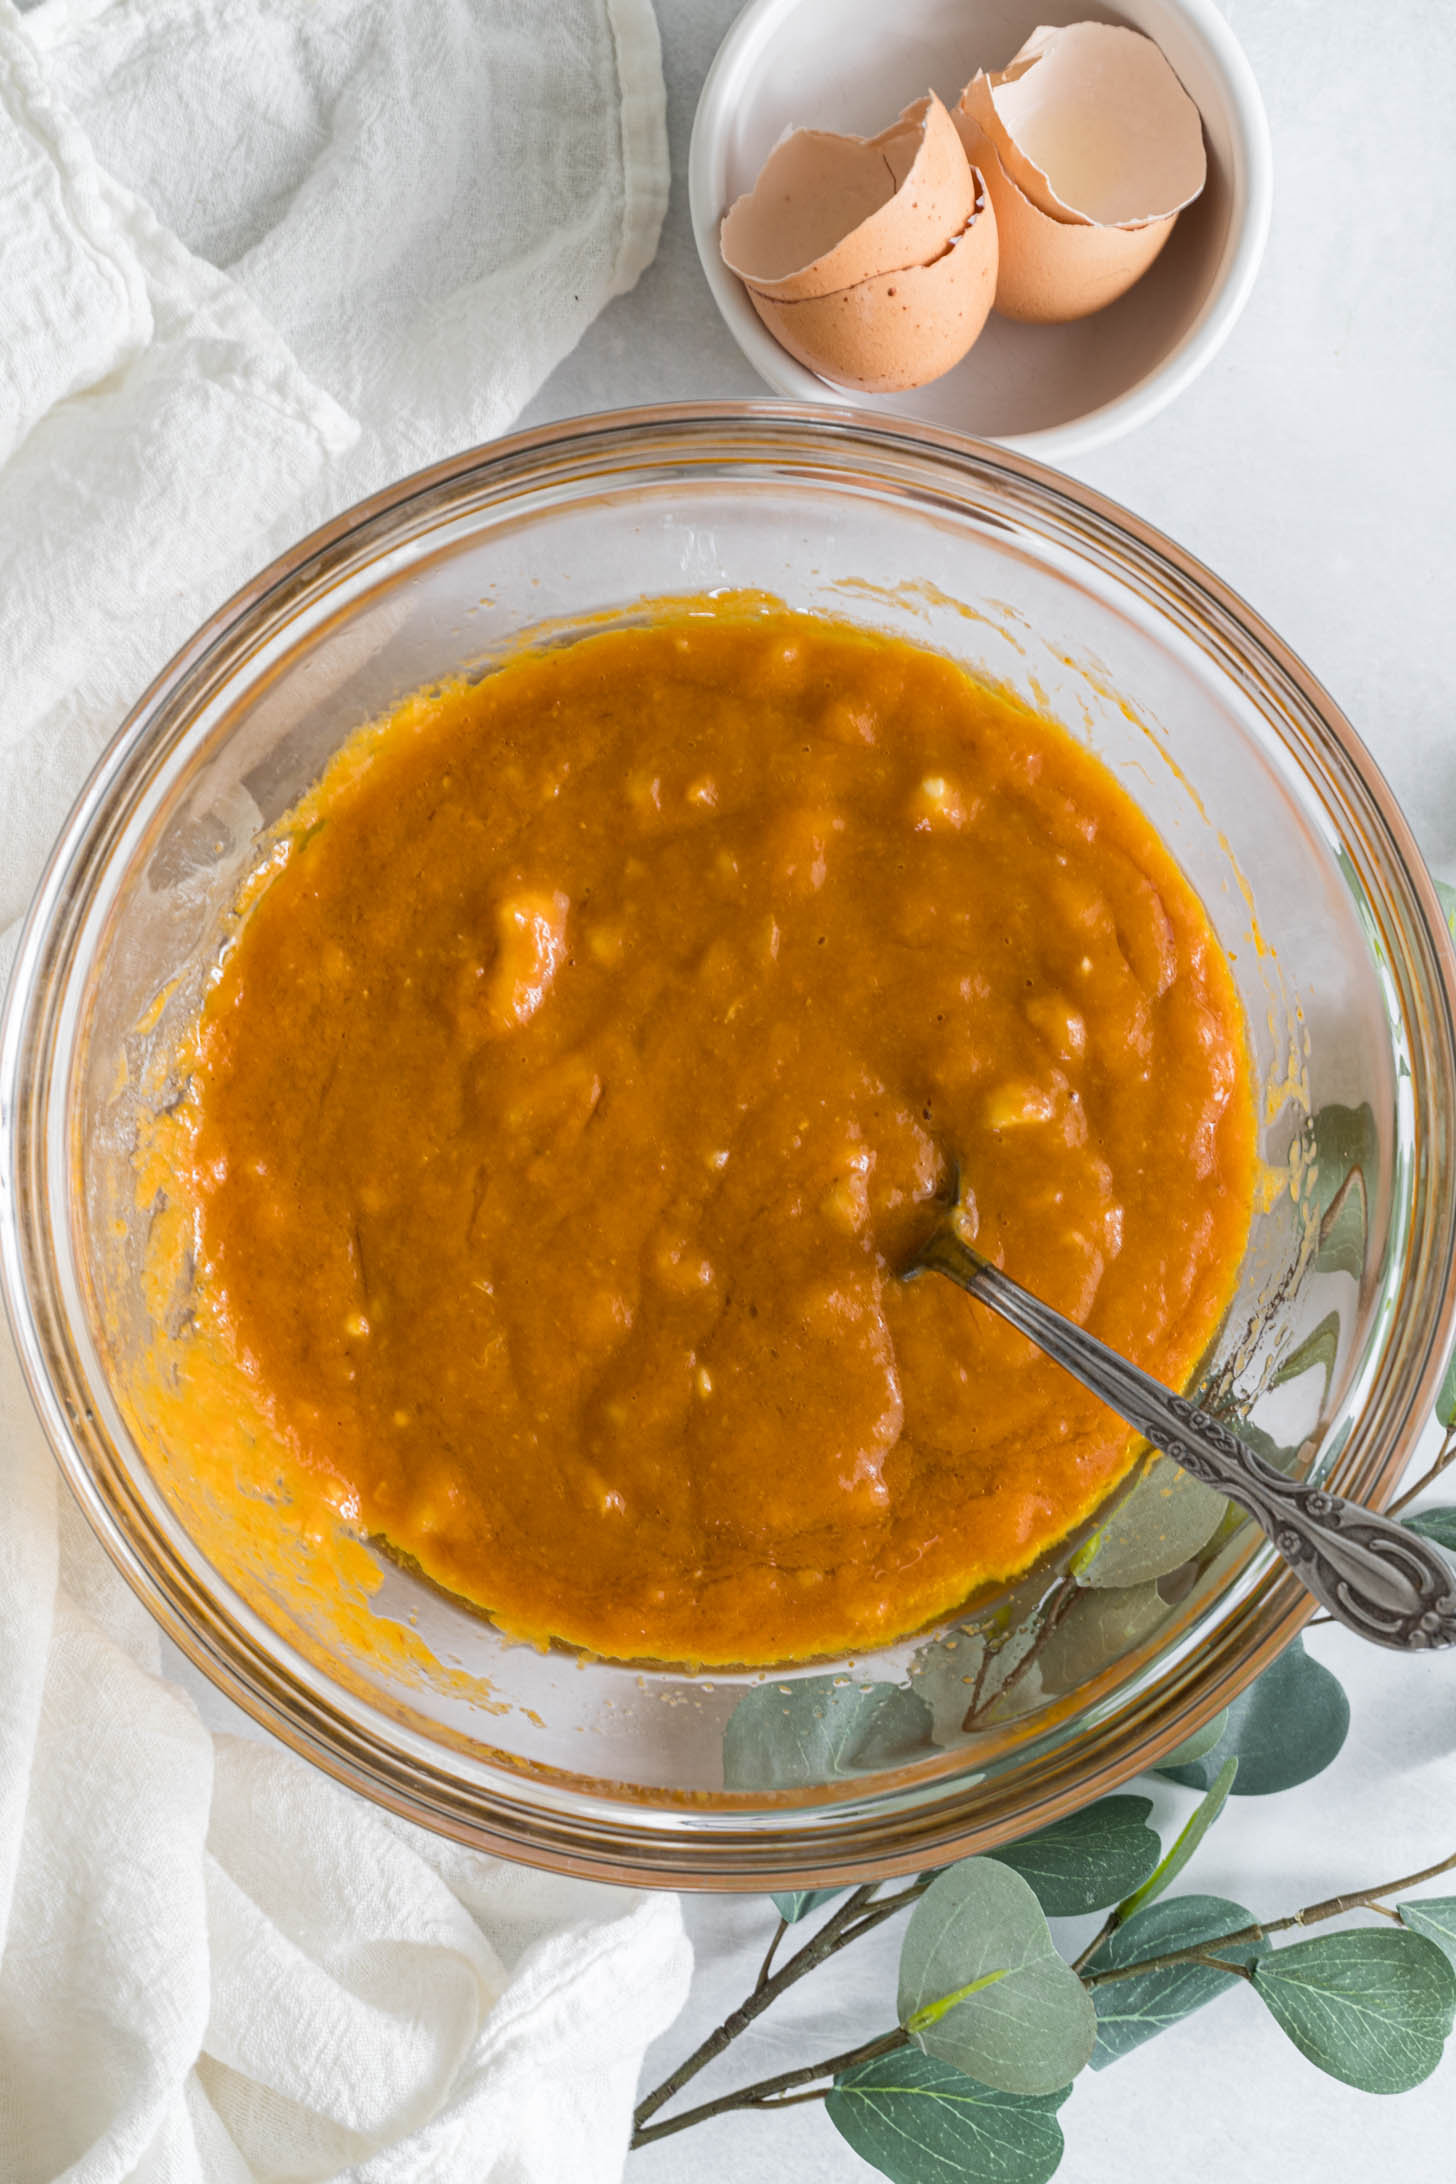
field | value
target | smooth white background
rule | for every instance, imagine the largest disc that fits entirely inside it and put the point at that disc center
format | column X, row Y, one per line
column 1314, row 467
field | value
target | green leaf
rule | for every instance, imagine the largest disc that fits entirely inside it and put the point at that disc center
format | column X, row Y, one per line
column 1447, row 894
column 1284, row 1729
column 1157, row 1527
column 1321, row 1346
column 1345, row 1149
column 1188, row 1840
column 1028, row 2029
column 799, row 1902
column 1130, row 2011
column 1277, row 1453
column 1089, row 1860
column 1373, row 2009
column 819, row 1729
column 1436, row 1524
column 1202, row 1740
column 1435, row 1917
column 921, row 2121
column 1098, row 1629
column 1446, row 1400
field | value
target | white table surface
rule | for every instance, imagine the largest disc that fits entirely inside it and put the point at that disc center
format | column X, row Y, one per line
column 1314, row 467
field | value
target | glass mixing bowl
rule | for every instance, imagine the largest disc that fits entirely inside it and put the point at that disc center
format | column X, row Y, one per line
column 1331, row 1354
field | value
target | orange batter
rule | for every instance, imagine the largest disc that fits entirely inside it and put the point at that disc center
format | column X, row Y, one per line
column 578, row 1079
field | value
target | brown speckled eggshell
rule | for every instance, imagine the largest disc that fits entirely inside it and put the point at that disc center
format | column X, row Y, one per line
column 899, row 329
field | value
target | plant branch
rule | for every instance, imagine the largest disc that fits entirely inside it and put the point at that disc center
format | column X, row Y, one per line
column 1220, row 1964
column 762, row 2094
column 1359, row 1899
column 1053, row 1609
column 772, row 1951
column 1108, row 1926
column 1444, row 1458
column 769, row 2101
column 831, row 1936
column 885, row 1909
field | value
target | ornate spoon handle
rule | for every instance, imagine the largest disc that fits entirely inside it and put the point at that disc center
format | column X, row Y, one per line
column 1369, row 1572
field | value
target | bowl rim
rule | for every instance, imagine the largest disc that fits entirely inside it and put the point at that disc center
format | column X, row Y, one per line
column 1250, row 214
column 513, row 1826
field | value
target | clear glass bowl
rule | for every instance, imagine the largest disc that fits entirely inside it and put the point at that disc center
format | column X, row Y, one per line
column 1308, row 870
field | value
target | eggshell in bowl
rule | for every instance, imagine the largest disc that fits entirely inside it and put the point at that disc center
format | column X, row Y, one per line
column 828, row 211
column 897, row 329
column 1050, row 270
column 1093, row 125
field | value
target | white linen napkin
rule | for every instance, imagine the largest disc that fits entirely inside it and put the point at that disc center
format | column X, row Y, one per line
column 256, row 258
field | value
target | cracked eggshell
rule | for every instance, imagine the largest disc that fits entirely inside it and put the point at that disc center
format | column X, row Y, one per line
column 829, row 211
column 898, row 329
column 1098, row 127
column 1050, row 270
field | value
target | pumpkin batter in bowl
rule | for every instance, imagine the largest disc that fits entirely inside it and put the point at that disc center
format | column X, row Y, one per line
column 576, row 1079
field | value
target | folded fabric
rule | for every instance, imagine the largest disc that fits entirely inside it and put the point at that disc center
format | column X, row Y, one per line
column 260, row 257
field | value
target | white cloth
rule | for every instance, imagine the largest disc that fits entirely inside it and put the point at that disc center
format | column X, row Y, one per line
column 257, row 257
column 277, row 252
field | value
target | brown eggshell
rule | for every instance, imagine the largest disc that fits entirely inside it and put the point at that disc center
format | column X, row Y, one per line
column 1028, row 179
column 899, row 329
column 1099, row 127
column 1051, row 270
column 828, row 211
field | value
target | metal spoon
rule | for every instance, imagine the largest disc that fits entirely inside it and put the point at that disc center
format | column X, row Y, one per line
column 1371, row 1574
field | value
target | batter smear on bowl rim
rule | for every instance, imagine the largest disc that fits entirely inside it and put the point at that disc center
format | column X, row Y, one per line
column 584, row 1059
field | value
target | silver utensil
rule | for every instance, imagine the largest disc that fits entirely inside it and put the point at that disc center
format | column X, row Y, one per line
column 1370, row 1573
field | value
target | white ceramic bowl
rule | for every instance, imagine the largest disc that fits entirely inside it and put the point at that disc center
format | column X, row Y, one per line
column 1052, row 391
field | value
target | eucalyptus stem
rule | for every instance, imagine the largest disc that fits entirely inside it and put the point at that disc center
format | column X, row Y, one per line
column 1359, row 1899
column 791, row 2100
column 770, row 1953
column 885, row 1909
column 762, row 2094
column 1108, row 1926
column 1054, row 1607
column 1444, row 1458
column 830, row 1937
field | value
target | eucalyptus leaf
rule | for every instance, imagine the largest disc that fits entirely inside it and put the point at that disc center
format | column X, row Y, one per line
column 1284, row 1729
column 1371, row 2008
column 1098, row 1629
column 1202, row 1740
column 1089, row 1860
column 1435, row 1917
column 1436, row 1524
column 819, row 1729
column 982, row 1985
column 799, row 1902
column 1446, row 1400
column 1158, row 1526
column 1321, row 1346
column 945, row 1674
column 1447, row 894
column 1277, row 1453
column 1187, row 1841
column 1130, row 2011
column 921, row 2121
column 1345, row 1147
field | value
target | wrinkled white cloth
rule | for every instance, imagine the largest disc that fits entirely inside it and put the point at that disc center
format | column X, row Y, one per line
column 276, row 253
column 256, row 258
